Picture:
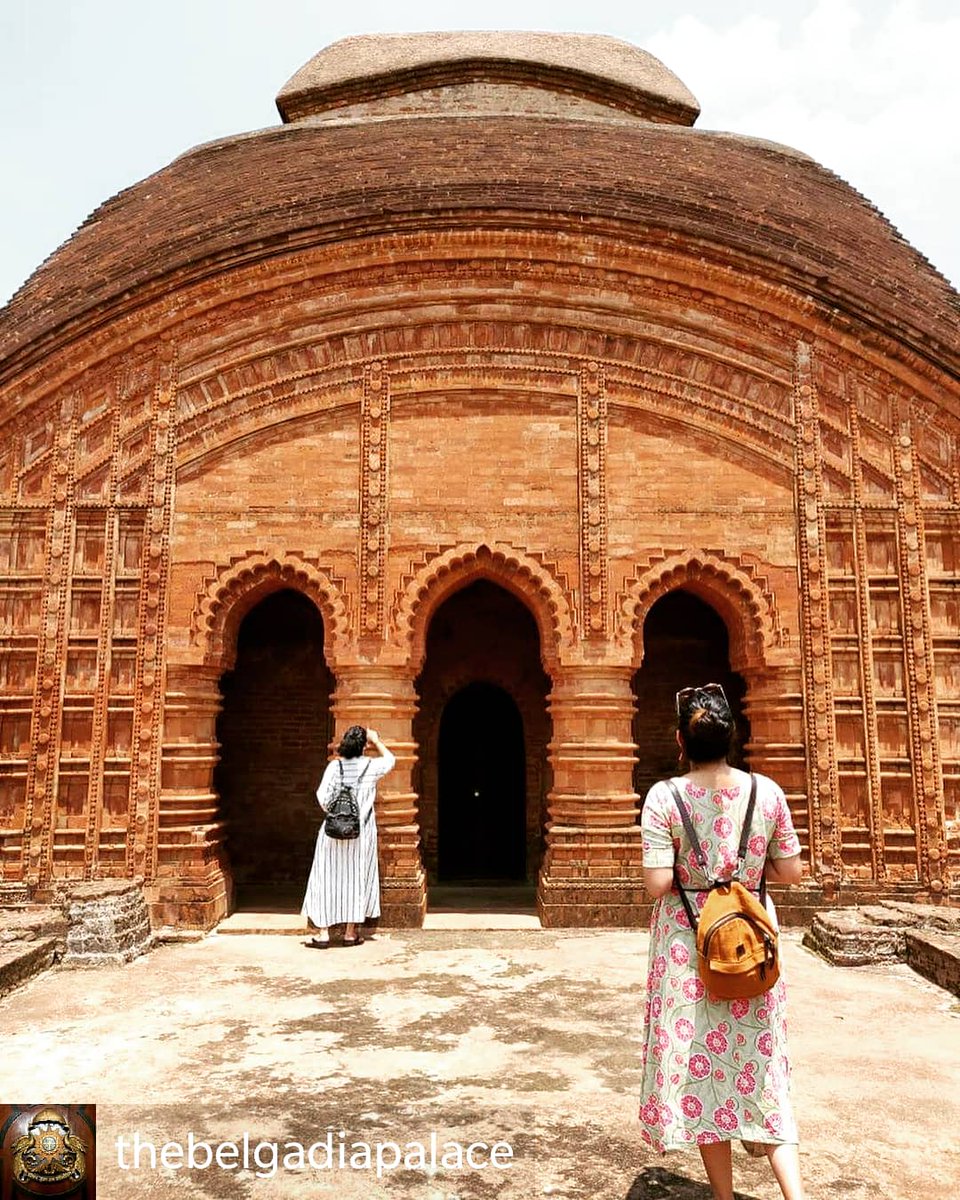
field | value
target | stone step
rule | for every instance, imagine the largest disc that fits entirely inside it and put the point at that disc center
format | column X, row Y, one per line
column 293, row 925
column 926, row 937
column 20, row 961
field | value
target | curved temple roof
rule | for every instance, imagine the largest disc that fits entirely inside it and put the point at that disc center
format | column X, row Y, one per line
column 593, row 66
column 254, row 195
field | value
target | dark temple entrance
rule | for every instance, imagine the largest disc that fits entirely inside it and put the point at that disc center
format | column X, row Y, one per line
column 685, row 642
column 274, row 731
column 482, row 729
column 482, row 787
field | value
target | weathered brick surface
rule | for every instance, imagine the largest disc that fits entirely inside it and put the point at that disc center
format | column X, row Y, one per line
column 626, row 372
column 927, row 937
column 935, row 956
column 20, row 961
column 109, row 923
column 766, row 207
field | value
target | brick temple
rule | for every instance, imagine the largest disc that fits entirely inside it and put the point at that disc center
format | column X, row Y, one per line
column 486, row 401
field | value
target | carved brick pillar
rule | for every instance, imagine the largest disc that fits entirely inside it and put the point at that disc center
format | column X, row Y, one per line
column 819, row 720
column 592, row 871
column 193, row 887
column 384, row 699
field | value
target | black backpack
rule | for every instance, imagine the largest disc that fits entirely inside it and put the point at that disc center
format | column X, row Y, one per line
column 342, row 822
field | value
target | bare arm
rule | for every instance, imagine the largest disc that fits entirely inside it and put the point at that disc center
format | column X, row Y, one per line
column 784, row 870
column 379, row 766
column 658, row 881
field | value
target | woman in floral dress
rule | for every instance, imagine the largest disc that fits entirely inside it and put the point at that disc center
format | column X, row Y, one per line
column 714, row 1070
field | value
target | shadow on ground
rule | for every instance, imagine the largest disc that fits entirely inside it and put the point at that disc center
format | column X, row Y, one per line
column 656, row 1183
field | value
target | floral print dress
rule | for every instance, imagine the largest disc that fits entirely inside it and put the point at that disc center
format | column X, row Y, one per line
column 713, row 1069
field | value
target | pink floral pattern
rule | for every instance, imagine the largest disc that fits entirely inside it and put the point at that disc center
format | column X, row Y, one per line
column 727, row 1059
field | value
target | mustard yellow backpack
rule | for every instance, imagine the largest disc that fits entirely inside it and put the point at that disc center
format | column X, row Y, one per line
column 737, row 944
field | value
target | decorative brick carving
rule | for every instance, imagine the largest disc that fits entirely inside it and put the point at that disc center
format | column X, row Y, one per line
column 51, row 657
column 241, row 584
column 591, row 462
column 931, row 845
column 822, row 771
column 374, row 517
column 573, row 341
column 524, row 576
column 149, row 680
column 744, row 600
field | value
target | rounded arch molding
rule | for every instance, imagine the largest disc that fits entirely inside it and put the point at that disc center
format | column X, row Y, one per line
column 742, row 599
column 239, row 587
column 526, row 578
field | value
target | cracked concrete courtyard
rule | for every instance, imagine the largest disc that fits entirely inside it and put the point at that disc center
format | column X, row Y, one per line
column 530, row 1037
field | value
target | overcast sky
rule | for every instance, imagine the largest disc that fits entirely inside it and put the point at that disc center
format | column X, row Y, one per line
column 96, row 94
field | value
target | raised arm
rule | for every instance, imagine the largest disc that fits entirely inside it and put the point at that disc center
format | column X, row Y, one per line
column 387, row 758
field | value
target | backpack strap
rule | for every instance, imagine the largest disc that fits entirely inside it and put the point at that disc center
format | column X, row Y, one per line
column 701, row 857
column 745, row 832
column 697, row 853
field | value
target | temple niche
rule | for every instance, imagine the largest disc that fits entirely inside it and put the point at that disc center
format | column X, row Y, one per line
column 493, row 460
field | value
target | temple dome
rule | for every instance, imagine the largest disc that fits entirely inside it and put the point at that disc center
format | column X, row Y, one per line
column 375, row 75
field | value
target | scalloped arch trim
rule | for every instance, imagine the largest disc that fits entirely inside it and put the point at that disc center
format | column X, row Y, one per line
column 747, row 607
column 526, row 578
column 236, row 589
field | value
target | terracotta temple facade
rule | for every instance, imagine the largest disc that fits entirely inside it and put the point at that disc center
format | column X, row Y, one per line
column 485, row 401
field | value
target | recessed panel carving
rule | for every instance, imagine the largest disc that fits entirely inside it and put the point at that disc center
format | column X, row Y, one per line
column 947, row 673
column 21, row 544
column 888, row 673
column 881, row 553
column 82, row 670
column 850, row 739
column 15, row 732
column 843, row 613
column 125, row 606
column 119, row 733
column 945, row 612
column 884, row 613
column 898, row 809
column 854, row 802
column 950, row 735
column 846, row 672
column 20, row 610
column 840, row 558
column 72, row 790
column 13, row 791
column 85, row 612
column 77, row 728
column 18, row 672
column 123, row 667
column 893, row 735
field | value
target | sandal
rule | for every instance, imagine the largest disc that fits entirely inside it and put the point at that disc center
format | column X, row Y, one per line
column 319, row 943
column 354, row 941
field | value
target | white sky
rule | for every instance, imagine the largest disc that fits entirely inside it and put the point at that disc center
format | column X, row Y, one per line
column 96, row 94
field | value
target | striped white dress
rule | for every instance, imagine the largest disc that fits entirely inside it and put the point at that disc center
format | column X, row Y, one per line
column 344, row 882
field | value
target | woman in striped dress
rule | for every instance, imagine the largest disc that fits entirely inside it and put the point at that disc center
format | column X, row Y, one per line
column 344, row 883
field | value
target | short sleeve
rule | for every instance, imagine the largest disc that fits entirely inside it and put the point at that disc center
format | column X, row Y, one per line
column 325, row 785
column 658, row 848
column 784, row 842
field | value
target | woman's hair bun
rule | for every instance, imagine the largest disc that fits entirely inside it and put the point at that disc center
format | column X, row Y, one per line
column 707, row 725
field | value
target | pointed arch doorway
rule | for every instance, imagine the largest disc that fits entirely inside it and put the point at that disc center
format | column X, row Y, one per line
column 274, row 730
column 685, row 642
column 482, row 729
